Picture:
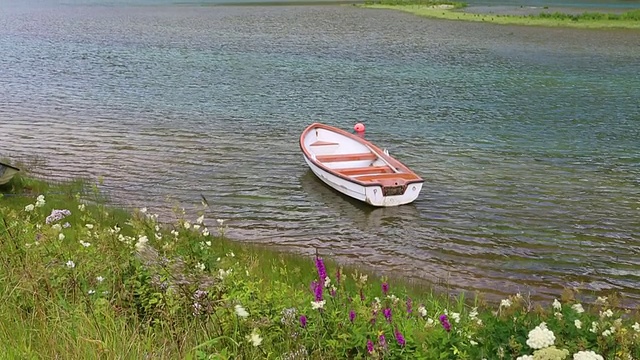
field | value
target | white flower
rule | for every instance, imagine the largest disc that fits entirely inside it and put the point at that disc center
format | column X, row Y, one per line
column 187, row 225
column 89, row 226
column 61, row 236
column 143, row 210
column 81, row 207
column 455, row 317
column 100, row 279
column 205, row 232
column 607, row 333
column 254, row 338
column 556, row 304
column 429, row 323
column 473, row 314
column 525, row 357
column 422, row 311
column 231, row 254
column 29, row 208
column 240, row 311
column 587, row 355
column 115, row 230
column 327, row 282
column 208, row 243
column 91, row 292
column 196, row 227
column 70, row 264
column 200, row 266
column 474, row 343
column 223, row 274
column 317, row 304
column 200, row 220
column 558, row 315
column 578, row 308
column 636, row 327
column 540, row 337
column 505, row 303
column 601, row 300
column 578, row 324
column 56, row 227
column 220, row 221
column 85, row 244
column 594, row 327
column 40, row 201
column 175, row 233
column 141, row 243
column 607, row 313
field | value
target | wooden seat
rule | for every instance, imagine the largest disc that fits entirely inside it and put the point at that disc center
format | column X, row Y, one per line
column 323, row 143
column 379, row 177
column 346, row 157
column 365, row 170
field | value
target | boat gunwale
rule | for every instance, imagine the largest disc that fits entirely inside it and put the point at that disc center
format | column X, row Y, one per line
column 376, row 150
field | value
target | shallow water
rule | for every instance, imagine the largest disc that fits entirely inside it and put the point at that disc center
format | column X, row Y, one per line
column 528, row 138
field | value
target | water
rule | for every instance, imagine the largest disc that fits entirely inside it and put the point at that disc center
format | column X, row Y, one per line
column 528, row 138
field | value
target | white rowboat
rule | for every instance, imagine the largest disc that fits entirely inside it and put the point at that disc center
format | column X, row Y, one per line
column 357, row 168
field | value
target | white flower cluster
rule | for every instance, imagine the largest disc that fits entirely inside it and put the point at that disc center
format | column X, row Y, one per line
column 541, row 337
column 587, row 355
column 525, row 357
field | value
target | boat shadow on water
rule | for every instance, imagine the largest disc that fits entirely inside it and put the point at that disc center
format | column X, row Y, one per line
column 358, row 213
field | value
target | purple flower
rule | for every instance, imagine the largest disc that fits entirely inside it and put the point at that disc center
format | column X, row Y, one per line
column 387, row 314
column 385, row 288
column 445, row 322
column 383, row 341
column 317, row 290
column 361, row 295
column 338, row 276
column 409, row 306
column 399, row 338
column 373, row 319
column 332, row 292
column 303, row 321
column 322, row 271
column 352, row 315
column 370, row 346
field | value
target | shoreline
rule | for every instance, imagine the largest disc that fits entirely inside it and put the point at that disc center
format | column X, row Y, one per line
column 518, row 15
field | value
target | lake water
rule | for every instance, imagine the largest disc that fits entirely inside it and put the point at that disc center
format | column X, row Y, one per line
column 528, row 138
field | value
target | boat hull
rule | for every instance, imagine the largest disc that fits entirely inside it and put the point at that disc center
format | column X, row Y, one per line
column 7, row 172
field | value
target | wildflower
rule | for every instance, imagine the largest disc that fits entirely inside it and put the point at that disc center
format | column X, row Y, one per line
column 196, row 227
column 40, row 201
column 333, row 290
column 601, row 300
column 385, row 288
column 70, row 264
column 473, row 343
column 57, row 215
column 556, row 304
column 141, row 243
column 61, row 236
column 399, row 338
column 578, row 308
column 445, row 322
column 91, row 292
column 240, row 311
column 114, row 230
column 200, row 220
column 382, row 340
column 607, row 313
column 455, row 317
column 205, row 232
column 352, row 315
column 505, row 303
column 317, row 304
column 473, row 314
column 200, row 266
column 187, row 225
column 558, row 315
column 338, row 275
column 220, row 221
column 587, row 355
column 409, row 306
column 322, row 271
column 231, row 254
column 429, row 323
column 303, row 321
column 540, row 337
column 29, row 208
column 369, row 346
column 578, row 324
column 143, row 210
column 100, row 279
column 89, row 226
column 317, row 290
column 81, row 207
column 85, row 244
column 422, row 311
column 525, row 357
column 636, row 327
column 254, row 338
column 594, row 327
column 607, row 332
column 56, row 227
column 387, row 314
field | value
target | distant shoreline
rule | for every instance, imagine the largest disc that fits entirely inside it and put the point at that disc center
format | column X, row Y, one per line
column 522, row 15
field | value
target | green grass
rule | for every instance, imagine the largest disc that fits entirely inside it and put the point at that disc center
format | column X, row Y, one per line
column 105, row 283
column 628, row 20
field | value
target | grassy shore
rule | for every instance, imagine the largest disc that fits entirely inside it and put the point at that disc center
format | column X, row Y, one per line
column 81, row 280
column 455, row 11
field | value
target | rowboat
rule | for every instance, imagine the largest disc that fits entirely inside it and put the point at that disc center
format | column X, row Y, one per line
column 357, row 168
column 7, row 172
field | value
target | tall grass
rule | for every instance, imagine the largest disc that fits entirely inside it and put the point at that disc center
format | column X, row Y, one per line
column 633, row 15
column 97, row 282
column 432, row 3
